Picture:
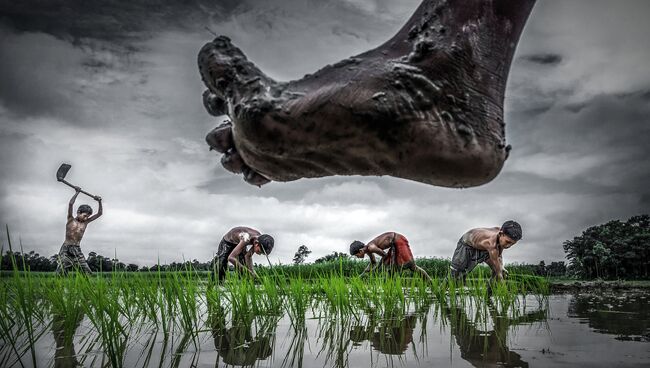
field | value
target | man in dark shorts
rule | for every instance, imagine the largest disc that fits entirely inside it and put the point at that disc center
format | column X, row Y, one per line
column 233, row 249
column 70, row 256
column 484, row 245
column 399, row 254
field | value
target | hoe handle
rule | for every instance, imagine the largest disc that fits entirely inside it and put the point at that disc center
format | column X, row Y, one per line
column 82, row 191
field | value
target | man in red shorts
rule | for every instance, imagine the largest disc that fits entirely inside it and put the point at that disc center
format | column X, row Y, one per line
column 394, row 250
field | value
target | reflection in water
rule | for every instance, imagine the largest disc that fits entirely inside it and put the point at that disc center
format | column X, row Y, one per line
column 296, row 353
column 64, row 328
column 391, row 336
column 388, row 337
column 623, row 314
column 479, row 329
column 242, row 344
column 488, row 348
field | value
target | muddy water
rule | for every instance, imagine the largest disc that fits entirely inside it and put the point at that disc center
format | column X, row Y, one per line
column 585, row 330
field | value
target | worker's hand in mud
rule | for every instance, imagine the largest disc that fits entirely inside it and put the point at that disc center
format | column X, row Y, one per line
column 426, row 105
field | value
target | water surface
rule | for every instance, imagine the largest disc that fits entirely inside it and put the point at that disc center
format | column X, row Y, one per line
column 566, row 330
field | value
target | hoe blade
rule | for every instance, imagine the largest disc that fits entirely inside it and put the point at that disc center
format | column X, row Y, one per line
column 62, row 171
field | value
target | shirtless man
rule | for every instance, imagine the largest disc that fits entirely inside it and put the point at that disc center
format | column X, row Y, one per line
column 484, row 245
column 70, row 255
column 233, row 249
column 398, row 256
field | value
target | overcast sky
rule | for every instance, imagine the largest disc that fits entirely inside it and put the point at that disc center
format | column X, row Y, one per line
column 113, row 88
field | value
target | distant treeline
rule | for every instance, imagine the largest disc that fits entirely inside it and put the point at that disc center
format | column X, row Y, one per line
column 436, row 267
column 613, row 250
column 339, row 263
column 617, row 249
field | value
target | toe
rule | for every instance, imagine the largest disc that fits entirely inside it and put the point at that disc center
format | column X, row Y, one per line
column 220, row 138
column 232, row 162
column 215, row 105
column 253, row 178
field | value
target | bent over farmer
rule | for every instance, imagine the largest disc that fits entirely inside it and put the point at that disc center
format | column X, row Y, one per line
column 484, row 245
column 237, row 247
column 70, row 256
column 398, row 255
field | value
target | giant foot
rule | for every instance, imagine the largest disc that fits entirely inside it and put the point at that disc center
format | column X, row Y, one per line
column 427, row 105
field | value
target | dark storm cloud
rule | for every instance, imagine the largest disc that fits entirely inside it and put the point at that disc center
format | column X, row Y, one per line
column 605, row 123
column 543, row 59
column 113, row 20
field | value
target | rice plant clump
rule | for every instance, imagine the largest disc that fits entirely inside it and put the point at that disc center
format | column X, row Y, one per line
column 158, row 319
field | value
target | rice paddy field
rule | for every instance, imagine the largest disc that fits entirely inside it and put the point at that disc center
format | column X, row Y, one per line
column 328, row 319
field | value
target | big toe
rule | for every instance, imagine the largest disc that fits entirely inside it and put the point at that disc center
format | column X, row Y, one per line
column 220, row 138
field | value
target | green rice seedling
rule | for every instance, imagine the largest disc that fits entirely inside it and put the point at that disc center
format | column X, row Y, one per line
column 419, row 292
column 297, row 301
column 124, row 310
column 364, row 295
column 147, row 297
column 337, row 295
column 24, row 302
column 186, row 293
column 66, row 310
column 270, row 296
column 241, row 295
column 104, row 311
column 132, row 298
column 10, row 331
column 392, row 301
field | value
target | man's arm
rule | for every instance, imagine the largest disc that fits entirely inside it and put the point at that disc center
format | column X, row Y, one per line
column 232, row 258
column 496, row 261
column 71, row 204
column 492, row 266
column 373, row 248
column 100, row 211
column 371, row 265
column 248, row 257
column 503, row 268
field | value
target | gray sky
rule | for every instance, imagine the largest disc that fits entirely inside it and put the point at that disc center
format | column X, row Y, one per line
column 113, row 88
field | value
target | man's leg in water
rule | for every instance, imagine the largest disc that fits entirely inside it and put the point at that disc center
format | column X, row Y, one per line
column 222, row 268
column 64, row 262
column 418, row 270
column 459, row 262
column 81, row 261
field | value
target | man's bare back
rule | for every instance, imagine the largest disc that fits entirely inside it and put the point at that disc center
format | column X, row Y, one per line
column 398, row 252
column 482, row 238
column 234, row 248
column 485, row 244
column 236, row 234
column 383, row 241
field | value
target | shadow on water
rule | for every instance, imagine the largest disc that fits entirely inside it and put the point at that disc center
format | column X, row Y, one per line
column 625, row 315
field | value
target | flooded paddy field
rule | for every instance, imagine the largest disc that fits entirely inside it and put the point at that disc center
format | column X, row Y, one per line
column 182, row 321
